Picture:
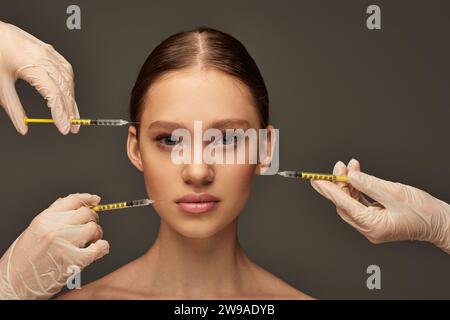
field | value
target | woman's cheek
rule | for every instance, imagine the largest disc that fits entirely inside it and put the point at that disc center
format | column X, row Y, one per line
column 156, row 173
column 236, row 181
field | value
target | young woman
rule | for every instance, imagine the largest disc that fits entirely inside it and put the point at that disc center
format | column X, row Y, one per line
column 201, row 75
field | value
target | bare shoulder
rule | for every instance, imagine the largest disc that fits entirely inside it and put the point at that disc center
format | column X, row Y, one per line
column 272, row 287
column 97, row 290
column 111, row 286
column 86, row 292
column 260, row 284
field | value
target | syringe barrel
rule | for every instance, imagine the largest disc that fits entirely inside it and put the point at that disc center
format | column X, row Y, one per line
column 108, row 122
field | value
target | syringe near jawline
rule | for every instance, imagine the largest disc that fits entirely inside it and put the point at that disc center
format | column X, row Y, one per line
column 121, row 205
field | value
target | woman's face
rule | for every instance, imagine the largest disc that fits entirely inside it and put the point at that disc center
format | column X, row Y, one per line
column 197, row 200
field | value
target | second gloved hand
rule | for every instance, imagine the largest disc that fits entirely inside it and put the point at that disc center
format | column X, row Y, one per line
column 401, row 212
column 37, row 265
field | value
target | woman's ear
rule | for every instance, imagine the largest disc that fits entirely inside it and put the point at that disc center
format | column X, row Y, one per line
column 268, row 145
column 133, row 151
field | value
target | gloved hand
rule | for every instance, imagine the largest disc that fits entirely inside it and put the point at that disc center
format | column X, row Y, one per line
column 401, row 212
column 36, row 265
column 26, row 57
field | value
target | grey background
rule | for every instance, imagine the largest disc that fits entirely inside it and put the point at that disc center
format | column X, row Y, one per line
column 337, row 91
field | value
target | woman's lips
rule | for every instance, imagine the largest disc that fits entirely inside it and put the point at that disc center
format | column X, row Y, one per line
column 197, row 202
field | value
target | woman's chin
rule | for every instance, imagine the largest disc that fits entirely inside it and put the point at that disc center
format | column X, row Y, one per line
column 196, row 229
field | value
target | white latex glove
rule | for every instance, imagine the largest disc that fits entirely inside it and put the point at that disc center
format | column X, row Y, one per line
column 36, row 264
column 401, row 212
column 26, row 57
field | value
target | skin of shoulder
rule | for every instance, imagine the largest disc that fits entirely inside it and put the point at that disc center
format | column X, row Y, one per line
column 111, row 286
column 272, row 288
column 116, row 286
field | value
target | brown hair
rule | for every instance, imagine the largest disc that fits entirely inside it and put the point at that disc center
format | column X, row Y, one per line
column 206, row 47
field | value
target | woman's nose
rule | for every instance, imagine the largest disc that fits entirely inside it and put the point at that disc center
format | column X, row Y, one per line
column 198, row 174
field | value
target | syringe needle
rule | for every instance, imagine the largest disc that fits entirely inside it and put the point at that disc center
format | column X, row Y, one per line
column 283, row 173
column 85, row 122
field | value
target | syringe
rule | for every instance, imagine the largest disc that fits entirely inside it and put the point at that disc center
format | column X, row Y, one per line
column 313, row 176
column 122, row 205
column 85, row 122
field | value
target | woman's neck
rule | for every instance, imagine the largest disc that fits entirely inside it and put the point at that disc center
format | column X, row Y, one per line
column 195, row 268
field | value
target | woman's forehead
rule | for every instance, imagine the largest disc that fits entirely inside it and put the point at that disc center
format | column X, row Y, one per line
column 199, row 94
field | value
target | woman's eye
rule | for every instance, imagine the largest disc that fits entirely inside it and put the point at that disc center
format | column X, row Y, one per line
column 167, row 140
column 230, row 139
column 227, row 139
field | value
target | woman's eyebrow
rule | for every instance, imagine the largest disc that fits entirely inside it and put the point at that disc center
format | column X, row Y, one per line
column 220, row 124
column 230, row 123
column 166, row 125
